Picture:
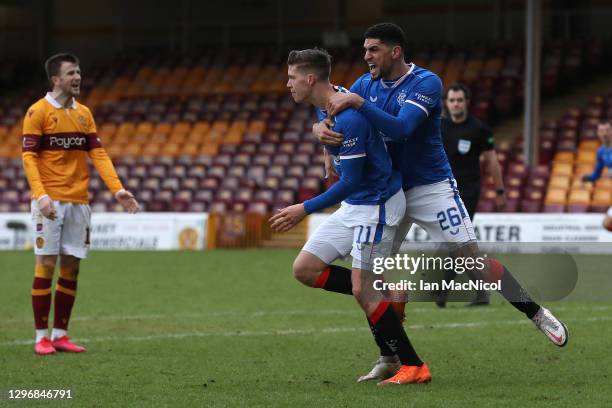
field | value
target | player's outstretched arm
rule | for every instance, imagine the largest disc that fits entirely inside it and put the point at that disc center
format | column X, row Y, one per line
column 288, row 217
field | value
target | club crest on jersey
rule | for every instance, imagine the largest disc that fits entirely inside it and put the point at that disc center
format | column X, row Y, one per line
column 401, row 98
column 464, row 146
column 82, row 120
column 30, row 113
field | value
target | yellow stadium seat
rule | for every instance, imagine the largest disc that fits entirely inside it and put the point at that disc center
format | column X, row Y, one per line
column 151, row 150
column 579, row 197
column 555, row 196
column 578, row 184
column 201, row 127
column 220, row 125
column 190, row 149
column 209, row 149
column 257, row 126
column 126, row 128
column 559, row 182
column 114, row 150
column 144, row 128
column 178, row 138
column 163, row 127
column 562, row 169
column 197, row 137
column 158, row 138
column 602, row 197
column 170, row 149
column 582, row 169
column 589, row 145
column 234, row 136
column 132, row 149
column 564, row 157
column 586, row 157
column 181, row 128
column 603, row 184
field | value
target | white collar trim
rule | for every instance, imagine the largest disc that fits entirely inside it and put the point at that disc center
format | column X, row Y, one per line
column 401, row 79
column 56, row 104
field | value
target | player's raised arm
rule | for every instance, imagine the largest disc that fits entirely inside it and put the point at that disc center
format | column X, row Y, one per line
column 417, row 106
column 105, row 168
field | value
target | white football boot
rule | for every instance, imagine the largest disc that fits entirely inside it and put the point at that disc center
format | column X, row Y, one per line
column 552, row 327
column 385, row 367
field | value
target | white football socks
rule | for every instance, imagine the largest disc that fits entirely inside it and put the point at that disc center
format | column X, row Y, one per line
column 57, row 333
column 41, row 333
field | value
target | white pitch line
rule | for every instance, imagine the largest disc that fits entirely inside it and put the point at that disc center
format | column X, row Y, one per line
column 262, row 313
column 292, row 332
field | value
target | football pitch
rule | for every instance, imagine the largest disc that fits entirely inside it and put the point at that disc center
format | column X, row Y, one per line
column 233, row 328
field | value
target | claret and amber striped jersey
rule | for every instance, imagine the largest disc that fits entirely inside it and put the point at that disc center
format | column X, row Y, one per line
column 56, row 143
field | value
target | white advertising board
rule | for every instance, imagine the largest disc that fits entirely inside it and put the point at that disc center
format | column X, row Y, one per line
column 119, row 231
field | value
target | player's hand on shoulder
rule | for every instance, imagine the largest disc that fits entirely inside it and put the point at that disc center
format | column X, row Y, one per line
column 341, row 101
column 287, row 218
column 127, row 201
column 323, row 133
column 46, row 207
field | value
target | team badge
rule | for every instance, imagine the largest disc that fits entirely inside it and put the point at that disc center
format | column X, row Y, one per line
column 188, row 239
column 39, row 227
column 401, row 98
column 40, row 242
column 464, row 146
column 82, row 120
column 30, row 113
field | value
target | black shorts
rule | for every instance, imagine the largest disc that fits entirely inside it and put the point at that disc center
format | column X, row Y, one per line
column 470, row 194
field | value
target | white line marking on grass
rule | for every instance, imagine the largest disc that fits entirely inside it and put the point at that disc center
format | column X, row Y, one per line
column 262, row 313
column 293, row 332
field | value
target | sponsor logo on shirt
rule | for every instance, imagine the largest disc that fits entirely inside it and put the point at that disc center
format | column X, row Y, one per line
column 349, row 142
column 424, row 98
column 373, row 98
column 67, row 142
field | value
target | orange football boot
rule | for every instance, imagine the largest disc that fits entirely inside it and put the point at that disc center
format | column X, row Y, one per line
column 409, row 375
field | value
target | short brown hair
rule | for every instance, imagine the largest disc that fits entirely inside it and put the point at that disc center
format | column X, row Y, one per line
column 456, row 88
column 315, row 60
column 54, row 63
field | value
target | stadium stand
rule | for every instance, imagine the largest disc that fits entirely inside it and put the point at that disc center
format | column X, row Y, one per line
column 185, row 135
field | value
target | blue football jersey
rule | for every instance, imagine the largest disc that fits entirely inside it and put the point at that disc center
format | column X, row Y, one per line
column 420, row 158
column 379, row 181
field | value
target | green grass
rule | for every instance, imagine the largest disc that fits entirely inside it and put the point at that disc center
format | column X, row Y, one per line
column 233, row 328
